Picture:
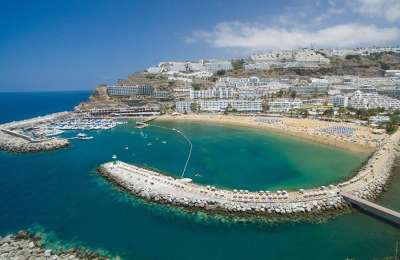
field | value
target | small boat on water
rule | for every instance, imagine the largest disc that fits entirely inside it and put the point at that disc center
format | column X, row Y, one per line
column 54, row 132
column 149, row 144
column 164, row 142
column 82, row 136
column 141, row 125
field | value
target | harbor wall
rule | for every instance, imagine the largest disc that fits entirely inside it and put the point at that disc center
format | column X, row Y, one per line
column 35, row 120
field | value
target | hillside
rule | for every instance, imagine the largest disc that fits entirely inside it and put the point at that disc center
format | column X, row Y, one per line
column 363, row 66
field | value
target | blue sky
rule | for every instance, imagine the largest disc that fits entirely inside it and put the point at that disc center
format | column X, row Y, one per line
column 72, row 45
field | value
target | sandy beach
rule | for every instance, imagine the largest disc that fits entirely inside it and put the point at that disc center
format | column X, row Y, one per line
column 362, row 139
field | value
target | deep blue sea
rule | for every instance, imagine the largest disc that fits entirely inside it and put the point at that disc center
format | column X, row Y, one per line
column 60, row 195
column 21, row 105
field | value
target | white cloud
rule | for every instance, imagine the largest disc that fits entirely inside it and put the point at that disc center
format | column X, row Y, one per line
column 388, row 9
column 248, row 36
column 331, row 11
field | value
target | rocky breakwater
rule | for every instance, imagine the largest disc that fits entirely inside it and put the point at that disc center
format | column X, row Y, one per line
column 13, row 139
column 160, row 188
column 157, row 187
column 12, row 143
column 24, row 245
column 373, row 176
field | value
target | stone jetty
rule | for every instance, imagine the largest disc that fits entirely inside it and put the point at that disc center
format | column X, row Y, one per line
column 13, row 140
column 158, row 187
column 24, row 245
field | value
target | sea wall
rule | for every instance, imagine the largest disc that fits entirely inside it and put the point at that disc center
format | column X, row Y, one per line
column 157, row 187
column 35, row 120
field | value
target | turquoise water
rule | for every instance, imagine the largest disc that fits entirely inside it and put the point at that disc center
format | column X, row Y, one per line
column 61, row 193
column 244, row 158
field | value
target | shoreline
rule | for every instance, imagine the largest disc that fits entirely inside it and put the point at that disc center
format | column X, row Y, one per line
column 304, row 134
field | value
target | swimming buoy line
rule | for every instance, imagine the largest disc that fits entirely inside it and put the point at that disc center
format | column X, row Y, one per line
column 187, row 140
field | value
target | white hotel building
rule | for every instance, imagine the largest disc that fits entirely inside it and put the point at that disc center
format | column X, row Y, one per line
column 284, row 105
column 220, row 105
column 373, row 100
column 339, row 100
column 221, row 93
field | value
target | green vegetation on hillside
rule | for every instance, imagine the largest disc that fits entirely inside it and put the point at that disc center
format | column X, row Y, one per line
column 237, row 64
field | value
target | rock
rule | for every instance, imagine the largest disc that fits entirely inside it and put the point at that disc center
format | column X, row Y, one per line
column 23, row 246
column 31, row 245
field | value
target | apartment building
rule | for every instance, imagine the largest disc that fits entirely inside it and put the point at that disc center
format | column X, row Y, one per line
column 130, row 90
column 221, row 105
column 362, row 100
column 284, row 105
column 339, row 100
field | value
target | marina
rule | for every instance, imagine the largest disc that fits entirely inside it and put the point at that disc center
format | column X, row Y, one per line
column 47, row 133
column 83, row 124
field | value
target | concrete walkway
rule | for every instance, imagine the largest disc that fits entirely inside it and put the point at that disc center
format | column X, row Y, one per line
column 375, row 209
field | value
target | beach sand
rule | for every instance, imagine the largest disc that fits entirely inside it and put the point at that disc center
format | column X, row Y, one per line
column 363, row 140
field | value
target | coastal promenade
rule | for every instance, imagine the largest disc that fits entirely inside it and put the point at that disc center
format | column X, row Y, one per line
column 12, row 139
column 158, row 187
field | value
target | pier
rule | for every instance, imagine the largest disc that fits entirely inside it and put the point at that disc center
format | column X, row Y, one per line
column 149, row 119
column 373, row 208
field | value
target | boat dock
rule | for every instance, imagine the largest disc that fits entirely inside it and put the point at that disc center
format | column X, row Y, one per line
column 373, row 208
column 145, row 123
column 149, row 119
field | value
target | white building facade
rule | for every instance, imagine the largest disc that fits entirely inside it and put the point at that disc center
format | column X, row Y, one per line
column 234, row 105
column 284, row 105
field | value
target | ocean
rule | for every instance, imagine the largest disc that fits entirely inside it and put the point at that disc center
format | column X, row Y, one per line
column 59, row 194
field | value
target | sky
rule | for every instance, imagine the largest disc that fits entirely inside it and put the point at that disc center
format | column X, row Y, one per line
column 76, row 45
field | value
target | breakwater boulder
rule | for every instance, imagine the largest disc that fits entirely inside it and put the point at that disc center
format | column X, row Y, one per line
column 15, row 144
column 153, row 186
column 25, row 245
